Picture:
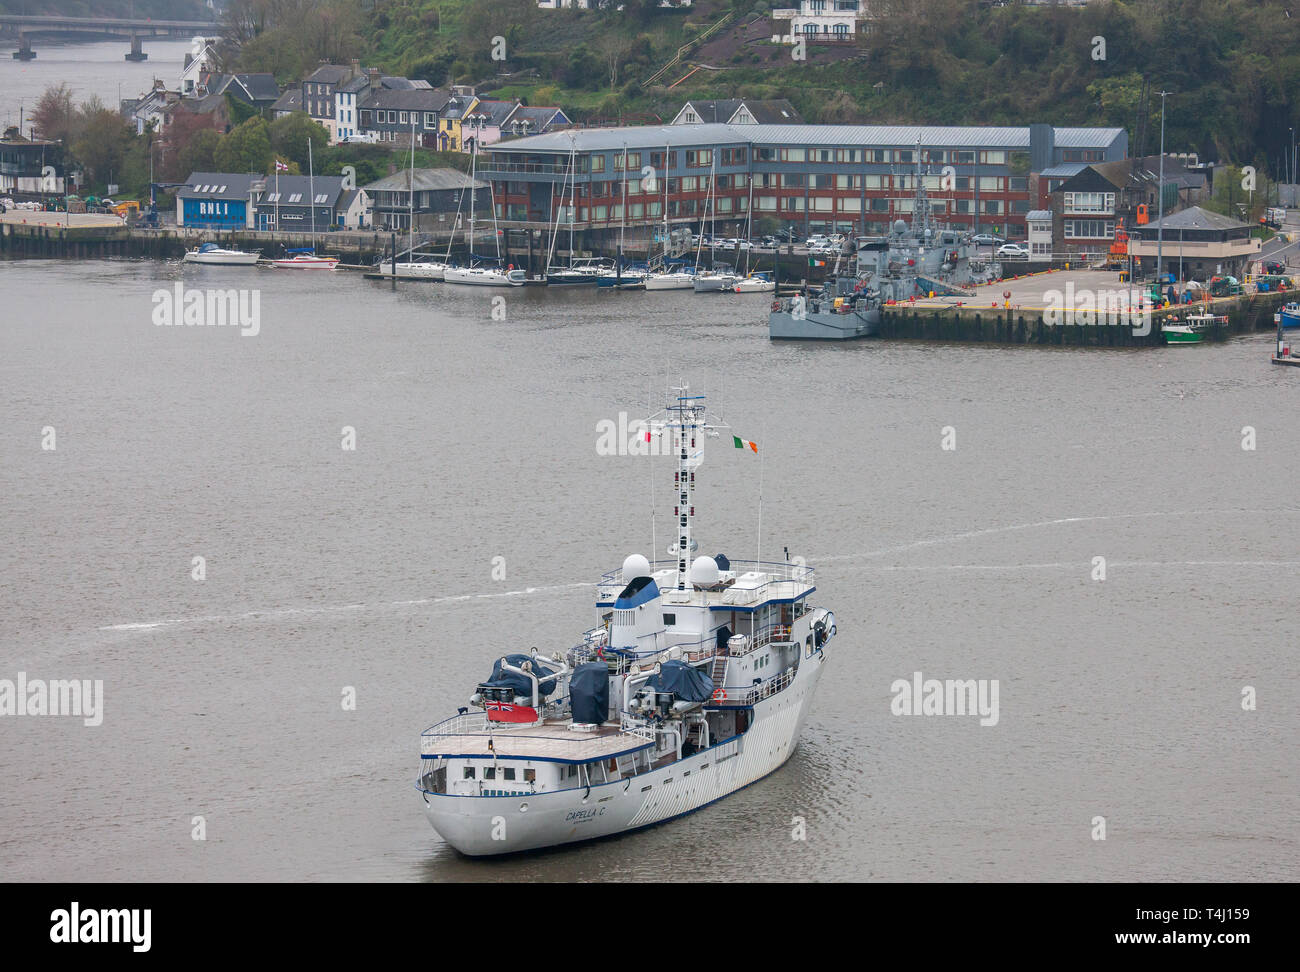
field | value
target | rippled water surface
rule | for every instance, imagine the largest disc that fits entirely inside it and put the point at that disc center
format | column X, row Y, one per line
column 476, row 439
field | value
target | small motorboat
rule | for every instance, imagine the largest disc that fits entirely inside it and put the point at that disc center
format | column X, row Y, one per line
column 1288, row 316
column 305, row 259
column 211, row 253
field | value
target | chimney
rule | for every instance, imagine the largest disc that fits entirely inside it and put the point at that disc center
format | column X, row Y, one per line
column 356, row 69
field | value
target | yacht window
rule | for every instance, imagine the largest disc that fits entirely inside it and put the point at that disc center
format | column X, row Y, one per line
column 489, row 772
column 469, row 772
column 509, row 774
column 670, row 619
column 530, row 776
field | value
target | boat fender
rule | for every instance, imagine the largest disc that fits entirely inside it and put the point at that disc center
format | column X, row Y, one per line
column 776, row 305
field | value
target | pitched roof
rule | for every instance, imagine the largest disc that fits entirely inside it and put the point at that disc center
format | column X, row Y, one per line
column 714, row 112
column 539, row 117
column 776, row 111
column 218, row 185
column 291, row 100
column 410, row 99
column 1195, row 218
column 260, row 87
column 330, row 74
column 425, row 180
column 1038, row 214
column 935, row 136
column 290, row 185
column 497, row 111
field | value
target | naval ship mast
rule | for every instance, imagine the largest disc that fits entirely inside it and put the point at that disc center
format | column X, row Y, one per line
column 686, row 418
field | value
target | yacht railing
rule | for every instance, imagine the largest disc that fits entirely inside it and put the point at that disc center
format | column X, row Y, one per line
column 748, row 695
column 611, row 584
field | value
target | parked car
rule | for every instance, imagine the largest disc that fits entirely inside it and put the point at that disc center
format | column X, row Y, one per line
column 987, row 239
column 1016, row 251
column 817, row 239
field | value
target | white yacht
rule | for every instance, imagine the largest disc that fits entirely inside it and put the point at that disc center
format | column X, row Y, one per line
column 671, row 280
column 485, row 276
column 211, row 253
column 695, row 683
column 715, row 281
column 416, row 269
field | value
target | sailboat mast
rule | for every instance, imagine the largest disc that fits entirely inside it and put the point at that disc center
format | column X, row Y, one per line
column 311, row 191
column 410, row 185
column 665, row 174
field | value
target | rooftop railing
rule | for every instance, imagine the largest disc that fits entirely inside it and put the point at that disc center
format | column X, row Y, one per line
column 611, row 584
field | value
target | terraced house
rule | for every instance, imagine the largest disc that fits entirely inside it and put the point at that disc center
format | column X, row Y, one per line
column 845, row 178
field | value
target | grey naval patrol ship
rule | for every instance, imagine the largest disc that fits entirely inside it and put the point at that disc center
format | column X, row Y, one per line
column 695, row 683
column 911, row 260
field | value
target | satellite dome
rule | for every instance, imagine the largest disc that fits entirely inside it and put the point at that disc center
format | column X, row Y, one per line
column 635, row 566
column 900, row 226
column 704, row 572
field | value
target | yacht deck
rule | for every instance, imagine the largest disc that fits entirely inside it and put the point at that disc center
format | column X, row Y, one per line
column 552, row 741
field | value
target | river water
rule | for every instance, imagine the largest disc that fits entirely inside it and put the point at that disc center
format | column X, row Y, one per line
column 98, row 69
column 476, row 439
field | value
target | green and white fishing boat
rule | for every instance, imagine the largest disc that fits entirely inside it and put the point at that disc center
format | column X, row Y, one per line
column 1192, row 329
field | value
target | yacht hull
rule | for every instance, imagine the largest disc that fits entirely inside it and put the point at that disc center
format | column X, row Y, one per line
column 482, row 826
column 671, row 282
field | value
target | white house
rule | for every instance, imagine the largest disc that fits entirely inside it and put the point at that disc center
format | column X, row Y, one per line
column 204, row 62
column 1039, row 222
column 823, row 20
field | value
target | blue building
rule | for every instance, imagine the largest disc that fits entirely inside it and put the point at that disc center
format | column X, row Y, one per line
column 218, row 200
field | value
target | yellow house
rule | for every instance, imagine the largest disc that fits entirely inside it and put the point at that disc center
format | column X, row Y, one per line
column 463, row 102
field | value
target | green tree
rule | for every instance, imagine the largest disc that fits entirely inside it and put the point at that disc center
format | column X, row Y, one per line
column 101, row 141
column 199, row 153
column 246, row 148
column 289, row 137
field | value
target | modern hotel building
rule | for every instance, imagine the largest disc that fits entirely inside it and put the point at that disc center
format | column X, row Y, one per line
column 847, row 178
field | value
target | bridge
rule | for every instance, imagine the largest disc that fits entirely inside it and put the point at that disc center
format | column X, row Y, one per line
column 25, row 27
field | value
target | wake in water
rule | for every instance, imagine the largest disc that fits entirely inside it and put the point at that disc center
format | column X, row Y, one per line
column 900, row 548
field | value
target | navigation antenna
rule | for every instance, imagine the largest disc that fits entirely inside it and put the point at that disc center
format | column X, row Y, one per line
column 685, row 421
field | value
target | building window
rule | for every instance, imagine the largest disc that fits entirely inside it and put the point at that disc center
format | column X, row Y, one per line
column 598, row 163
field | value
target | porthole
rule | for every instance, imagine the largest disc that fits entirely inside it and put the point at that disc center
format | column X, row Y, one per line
column 523, row 808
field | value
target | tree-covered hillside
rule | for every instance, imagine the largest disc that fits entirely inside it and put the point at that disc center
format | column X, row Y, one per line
column 1232, row 67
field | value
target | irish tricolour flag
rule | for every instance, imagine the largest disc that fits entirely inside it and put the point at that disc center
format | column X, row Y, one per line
column 744, row 443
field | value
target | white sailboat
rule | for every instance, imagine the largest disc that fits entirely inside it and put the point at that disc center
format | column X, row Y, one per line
column 696, row 683
column 476, row 276
column 720, row 278
column 305, row 258
column 666, row 279
column 752, row 282
column 411, row 268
